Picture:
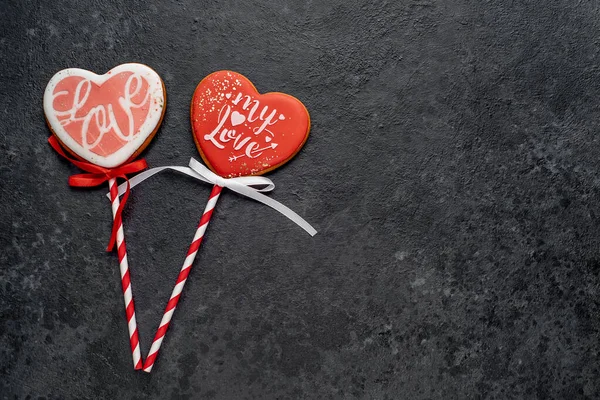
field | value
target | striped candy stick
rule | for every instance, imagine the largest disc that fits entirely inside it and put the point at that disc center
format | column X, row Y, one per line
column 125, row 278
column 181, row 278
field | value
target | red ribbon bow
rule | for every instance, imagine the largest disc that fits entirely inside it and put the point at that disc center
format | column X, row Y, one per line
column 97, row 176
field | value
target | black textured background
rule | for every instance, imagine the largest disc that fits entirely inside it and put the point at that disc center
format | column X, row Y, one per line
column 451, row 173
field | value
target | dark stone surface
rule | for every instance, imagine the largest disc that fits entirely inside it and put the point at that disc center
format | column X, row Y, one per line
column 451, row 172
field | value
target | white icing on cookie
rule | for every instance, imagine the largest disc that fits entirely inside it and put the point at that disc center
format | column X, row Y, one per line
column 105, row 119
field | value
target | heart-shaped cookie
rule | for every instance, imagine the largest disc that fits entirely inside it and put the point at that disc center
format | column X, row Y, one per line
column 241, row 132
column 105, row 119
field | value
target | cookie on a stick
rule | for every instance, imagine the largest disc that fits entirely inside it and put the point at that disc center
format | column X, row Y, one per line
column 105, row 122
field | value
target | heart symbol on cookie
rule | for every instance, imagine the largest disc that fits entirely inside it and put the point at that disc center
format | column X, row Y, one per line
column 239, row 131
column 237, row 118
column 105, row 119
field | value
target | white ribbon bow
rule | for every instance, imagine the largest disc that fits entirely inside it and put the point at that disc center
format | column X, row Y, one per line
column 242, row 185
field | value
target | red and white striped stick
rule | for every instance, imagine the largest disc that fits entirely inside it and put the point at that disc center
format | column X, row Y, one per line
column 125, row 278
column 181, row 278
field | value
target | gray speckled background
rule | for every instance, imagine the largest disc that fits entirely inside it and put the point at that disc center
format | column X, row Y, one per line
column 452, row 172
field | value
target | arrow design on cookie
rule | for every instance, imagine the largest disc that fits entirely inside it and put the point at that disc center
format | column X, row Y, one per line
column 271, row 146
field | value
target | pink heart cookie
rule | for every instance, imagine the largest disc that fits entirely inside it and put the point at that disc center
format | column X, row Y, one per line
column 105, row 119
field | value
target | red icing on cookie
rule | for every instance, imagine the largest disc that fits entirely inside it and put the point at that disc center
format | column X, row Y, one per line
column 105, row 119
column 242, row 132
column 112, row 122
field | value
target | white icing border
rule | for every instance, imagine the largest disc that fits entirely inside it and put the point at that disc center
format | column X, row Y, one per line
column 157, row 94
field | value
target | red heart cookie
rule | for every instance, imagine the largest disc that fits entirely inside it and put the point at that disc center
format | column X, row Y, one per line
column 239, row 131
column 105, row 119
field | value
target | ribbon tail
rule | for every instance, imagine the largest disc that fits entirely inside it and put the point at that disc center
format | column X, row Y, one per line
column 139, row 178
column 274, row 204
